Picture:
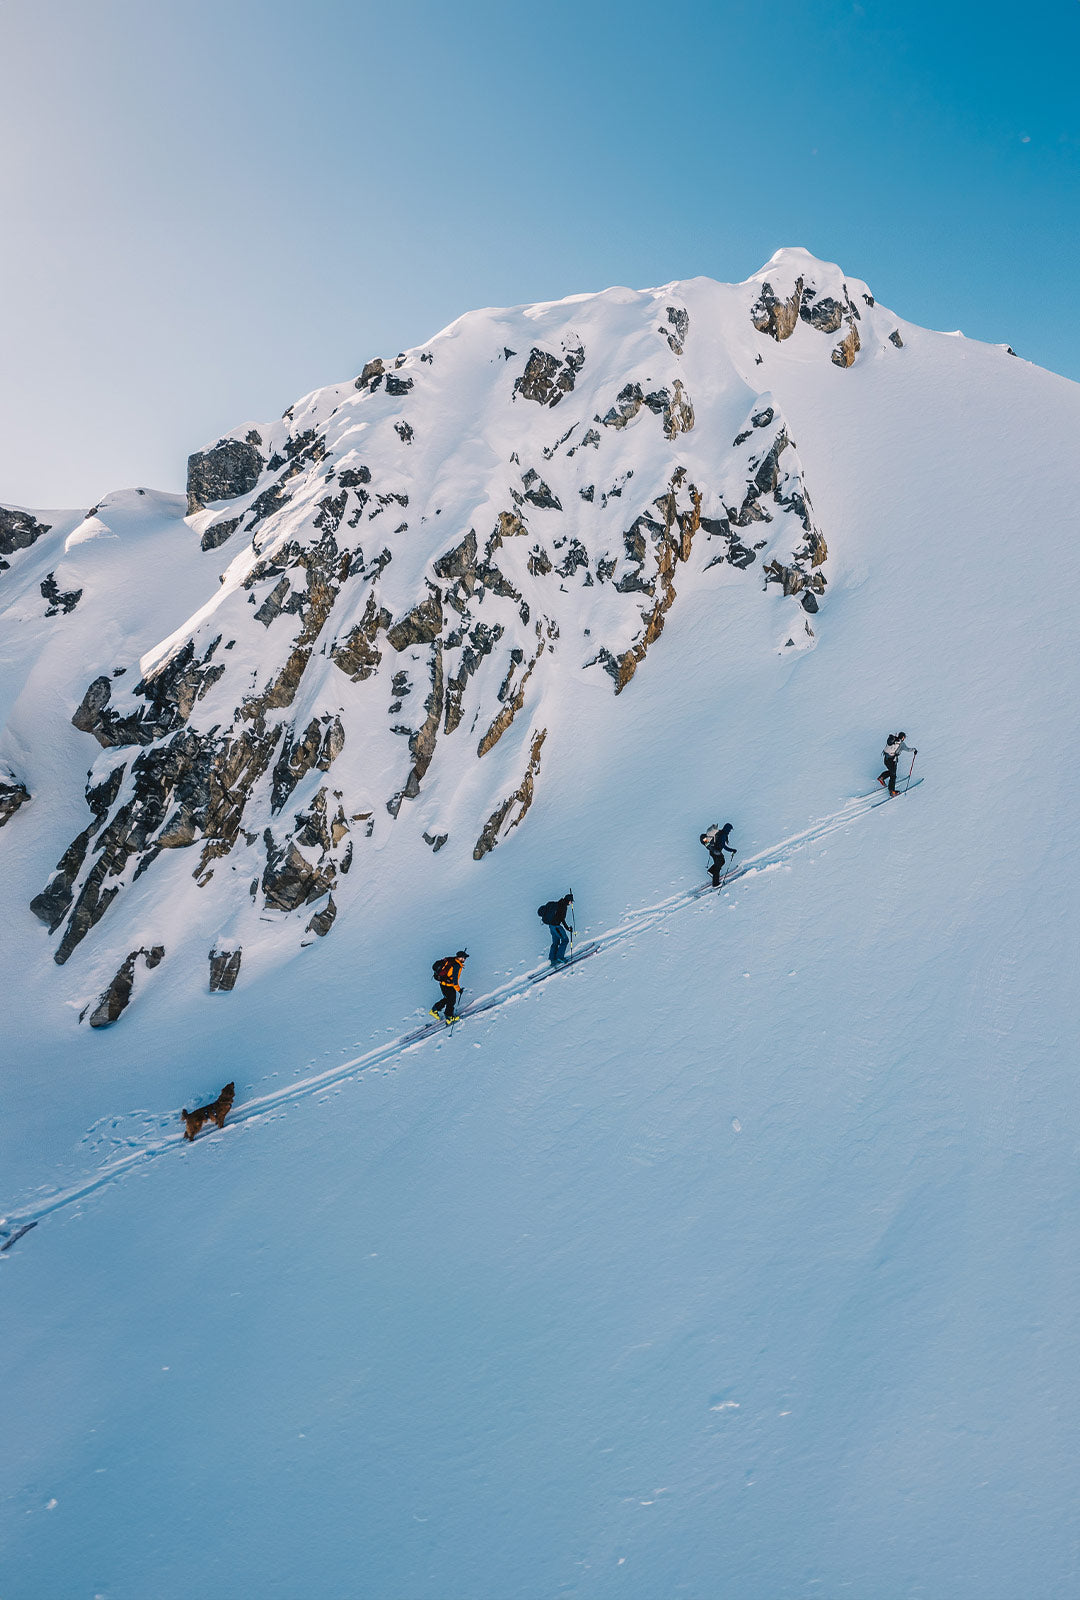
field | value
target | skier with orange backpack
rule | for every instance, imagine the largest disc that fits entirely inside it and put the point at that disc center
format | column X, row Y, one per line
column 447, row 974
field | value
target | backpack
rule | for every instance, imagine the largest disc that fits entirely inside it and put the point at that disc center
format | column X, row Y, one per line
column 549, row 914
column 710, row 832
column 442, row 970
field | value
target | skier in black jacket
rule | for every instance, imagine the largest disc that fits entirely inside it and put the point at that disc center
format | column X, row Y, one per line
column 554, row 916
column 894, row 749
column 715, row 841
column 447, row 974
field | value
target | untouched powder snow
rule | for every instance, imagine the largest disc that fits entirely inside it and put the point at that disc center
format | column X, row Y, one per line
column 740, row 1260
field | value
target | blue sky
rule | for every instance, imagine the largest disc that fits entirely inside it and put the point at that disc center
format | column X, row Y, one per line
column 210, row 208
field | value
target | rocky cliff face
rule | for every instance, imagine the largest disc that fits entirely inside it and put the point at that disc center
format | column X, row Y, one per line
column 408, row 561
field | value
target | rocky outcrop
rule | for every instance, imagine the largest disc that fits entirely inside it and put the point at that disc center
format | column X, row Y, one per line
column 826, row 314
column 224, row 969
column 679, row 318
column 18, row 531
column 323, row 920
column 422, row 625
column 229, row 468
column 848, row 348
column 894, row 338
column 547, row 378
column 12, row 796
column 117, row 996
column 359, row 656
column 674, row 406
column 315, row 694
column 289, row 880
column 57, row 601
column 778, row 318
column 217, row 533
column 513, row 809
column 512, row 697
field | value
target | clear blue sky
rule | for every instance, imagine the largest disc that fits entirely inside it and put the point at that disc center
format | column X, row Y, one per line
column 209, row 207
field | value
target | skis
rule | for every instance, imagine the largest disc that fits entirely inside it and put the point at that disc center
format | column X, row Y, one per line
column 14, row 1237
column 912, row 783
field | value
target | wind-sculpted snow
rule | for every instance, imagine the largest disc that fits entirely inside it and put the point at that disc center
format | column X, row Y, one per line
column 429, row 567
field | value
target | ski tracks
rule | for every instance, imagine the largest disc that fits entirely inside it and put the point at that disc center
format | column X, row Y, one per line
column 143, row 1136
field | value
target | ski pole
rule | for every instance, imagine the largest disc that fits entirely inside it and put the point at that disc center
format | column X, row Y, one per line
column 573, row 926
column 910, row 770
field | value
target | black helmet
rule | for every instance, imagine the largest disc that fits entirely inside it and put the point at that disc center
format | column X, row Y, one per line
column 901, row 734
column 463, row 954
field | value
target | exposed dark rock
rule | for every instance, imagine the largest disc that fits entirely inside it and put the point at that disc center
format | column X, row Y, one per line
column 761, row 419
column 50, row 591
column 404, row 432
column 459, row 562
column 217, row 533
column 521, row 799
column 422, row 625
column 825, row 315
column 547, row 378
column 224, row 969
column 51, row 905
column 353, row 477
column 894, row 338
column 576, row 558
column 372, row 375
column 774, row 316
column 628, row 402
column 12, row 796
column 323, row 920
column 436, row 840
column 481, row 641
column 289, row 880
column 230, row 468
column 679, row 319
column 19, row 530
column 265, row 504
column 511, row 704
column 396, row 385
column 848, row 348
column 117, row 996
column 538, row 493
column 793, row 579
column 359, row 656
column 676, row 410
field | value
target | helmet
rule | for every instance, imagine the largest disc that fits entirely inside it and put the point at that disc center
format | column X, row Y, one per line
column 463, row 954
column 901, row 735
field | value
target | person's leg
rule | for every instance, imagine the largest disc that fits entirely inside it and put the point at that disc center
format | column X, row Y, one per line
column 563, row 939
column 450, row 1001
column 437, row 1007
column 892, row 774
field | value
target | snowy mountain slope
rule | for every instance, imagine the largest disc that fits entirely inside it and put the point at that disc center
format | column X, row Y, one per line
column 524, row 1311
column 270, row 756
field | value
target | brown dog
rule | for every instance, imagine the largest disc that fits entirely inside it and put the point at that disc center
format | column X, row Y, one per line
column 216, row 1111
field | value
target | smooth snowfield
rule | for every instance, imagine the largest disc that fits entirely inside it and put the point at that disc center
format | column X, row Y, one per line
column 740, row 1262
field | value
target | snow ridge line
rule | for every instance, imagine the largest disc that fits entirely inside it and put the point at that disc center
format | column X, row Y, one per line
column 18, row 1221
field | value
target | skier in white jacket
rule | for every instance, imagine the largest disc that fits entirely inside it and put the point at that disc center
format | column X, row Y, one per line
column 894, row 749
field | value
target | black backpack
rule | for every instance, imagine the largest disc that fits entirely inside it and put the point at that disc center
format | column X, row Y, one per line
column 549, row 914
column 441, row 970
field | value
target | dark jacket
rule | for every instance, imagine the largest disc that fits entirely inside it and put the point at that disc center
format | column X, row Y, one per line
column 451, row 973
column 563, row 908
column 719, row 842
